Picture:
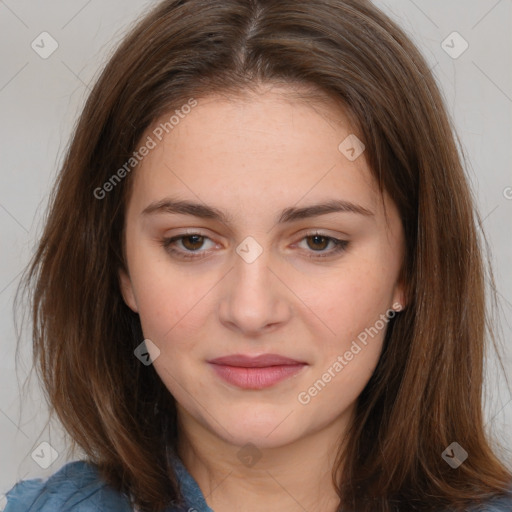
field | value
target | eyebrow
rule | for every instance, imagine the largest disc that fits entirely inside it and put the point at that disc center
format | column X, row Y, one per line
column 292, row 214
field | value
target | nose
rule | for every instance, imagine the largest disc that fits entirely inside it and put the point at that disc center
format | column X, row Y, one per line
column 254, row 299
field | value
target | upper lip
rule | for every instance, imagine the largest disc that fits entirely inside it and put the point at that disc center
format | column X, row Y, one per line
column 261, row 361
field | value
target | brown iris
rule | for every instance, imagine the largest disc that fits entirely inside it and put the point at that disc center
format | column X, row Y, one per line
column 316, row 238
column 197, row 242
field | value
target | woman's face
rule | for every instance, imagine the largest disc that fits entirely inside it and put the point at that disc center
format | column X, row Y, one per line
column 261, row 273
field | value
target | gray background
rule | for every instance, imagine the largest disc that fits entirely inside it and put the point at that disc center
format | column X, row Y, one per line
column 40, row 100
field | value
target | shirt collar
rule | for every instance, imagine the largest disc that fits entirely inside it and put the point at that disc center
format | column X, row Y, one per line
column 190, row 489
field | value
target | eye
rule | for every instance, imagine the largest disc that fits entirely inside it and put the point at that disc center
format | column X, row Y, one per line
column 318, row 242
column 191, row 246
column 192, row 242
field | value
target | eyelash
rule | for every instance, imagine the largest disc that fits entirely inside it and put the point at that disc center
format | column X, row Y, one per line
column 339, row 246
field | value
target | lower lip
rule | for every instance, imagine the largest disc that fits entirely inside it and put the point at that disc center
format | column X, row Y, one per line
column 256, row 378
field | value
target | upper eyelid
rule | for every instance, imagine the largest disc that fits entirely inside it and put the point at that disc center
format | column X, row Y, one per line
column 305, row 232
column 317, row 232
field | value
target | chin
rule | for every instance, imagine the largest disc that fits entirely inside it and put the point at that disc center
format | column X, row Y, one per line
column 268, row 431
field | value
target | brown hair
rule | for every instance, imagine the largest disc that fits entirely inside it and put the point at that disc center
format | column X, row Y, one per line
column 426, row 390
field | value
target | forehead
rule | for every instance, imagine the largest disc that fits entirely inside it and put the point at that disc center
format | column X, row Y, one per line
column 231, row 150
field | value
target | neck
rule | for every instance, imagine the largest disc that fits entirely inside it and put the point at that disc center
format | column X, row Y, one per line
column 290, row 478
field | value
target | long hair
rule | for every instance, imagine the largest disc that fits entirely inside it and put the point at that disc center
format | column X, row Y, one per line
column 426, row 391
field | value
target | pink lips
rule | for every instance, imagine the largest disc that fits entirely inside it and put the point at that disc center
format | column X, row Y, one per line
column 255, row 372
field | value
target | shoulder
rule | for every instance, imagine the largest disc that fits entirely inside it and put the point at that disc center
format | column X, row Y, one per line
column 76, row 487
column 501, row 504
column 497, row 504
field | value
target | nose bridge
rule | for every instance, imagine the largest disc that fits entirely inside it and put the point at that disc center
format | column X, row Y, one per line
column 251, row 274
column 252, row 300
column 252, row 263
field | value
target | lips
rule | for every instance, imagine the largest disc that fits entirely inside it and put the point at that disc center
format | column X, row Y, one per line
column 261, row 361
column 249, row 372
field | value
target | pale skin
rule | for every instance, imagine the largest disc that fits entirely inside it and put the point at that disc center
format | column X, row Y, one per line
column 251, row 158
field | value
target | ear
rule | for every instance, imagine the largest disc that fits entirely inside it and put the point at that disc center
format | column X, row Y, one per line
column 127, row 290
column 399, row 296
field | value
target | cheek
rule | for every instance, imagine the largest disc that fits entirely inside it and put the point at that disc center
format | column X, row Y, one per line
column 354, row 307
column 165, row 295
column 350, row 301
column 166, row 310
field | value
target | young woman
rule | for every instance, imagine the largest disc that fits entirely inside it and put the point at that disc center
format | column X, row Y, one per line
column 260, row 285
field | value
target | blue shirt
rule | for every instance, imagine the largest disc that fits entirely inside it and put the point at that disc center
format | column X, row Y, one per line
column 77, row 487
